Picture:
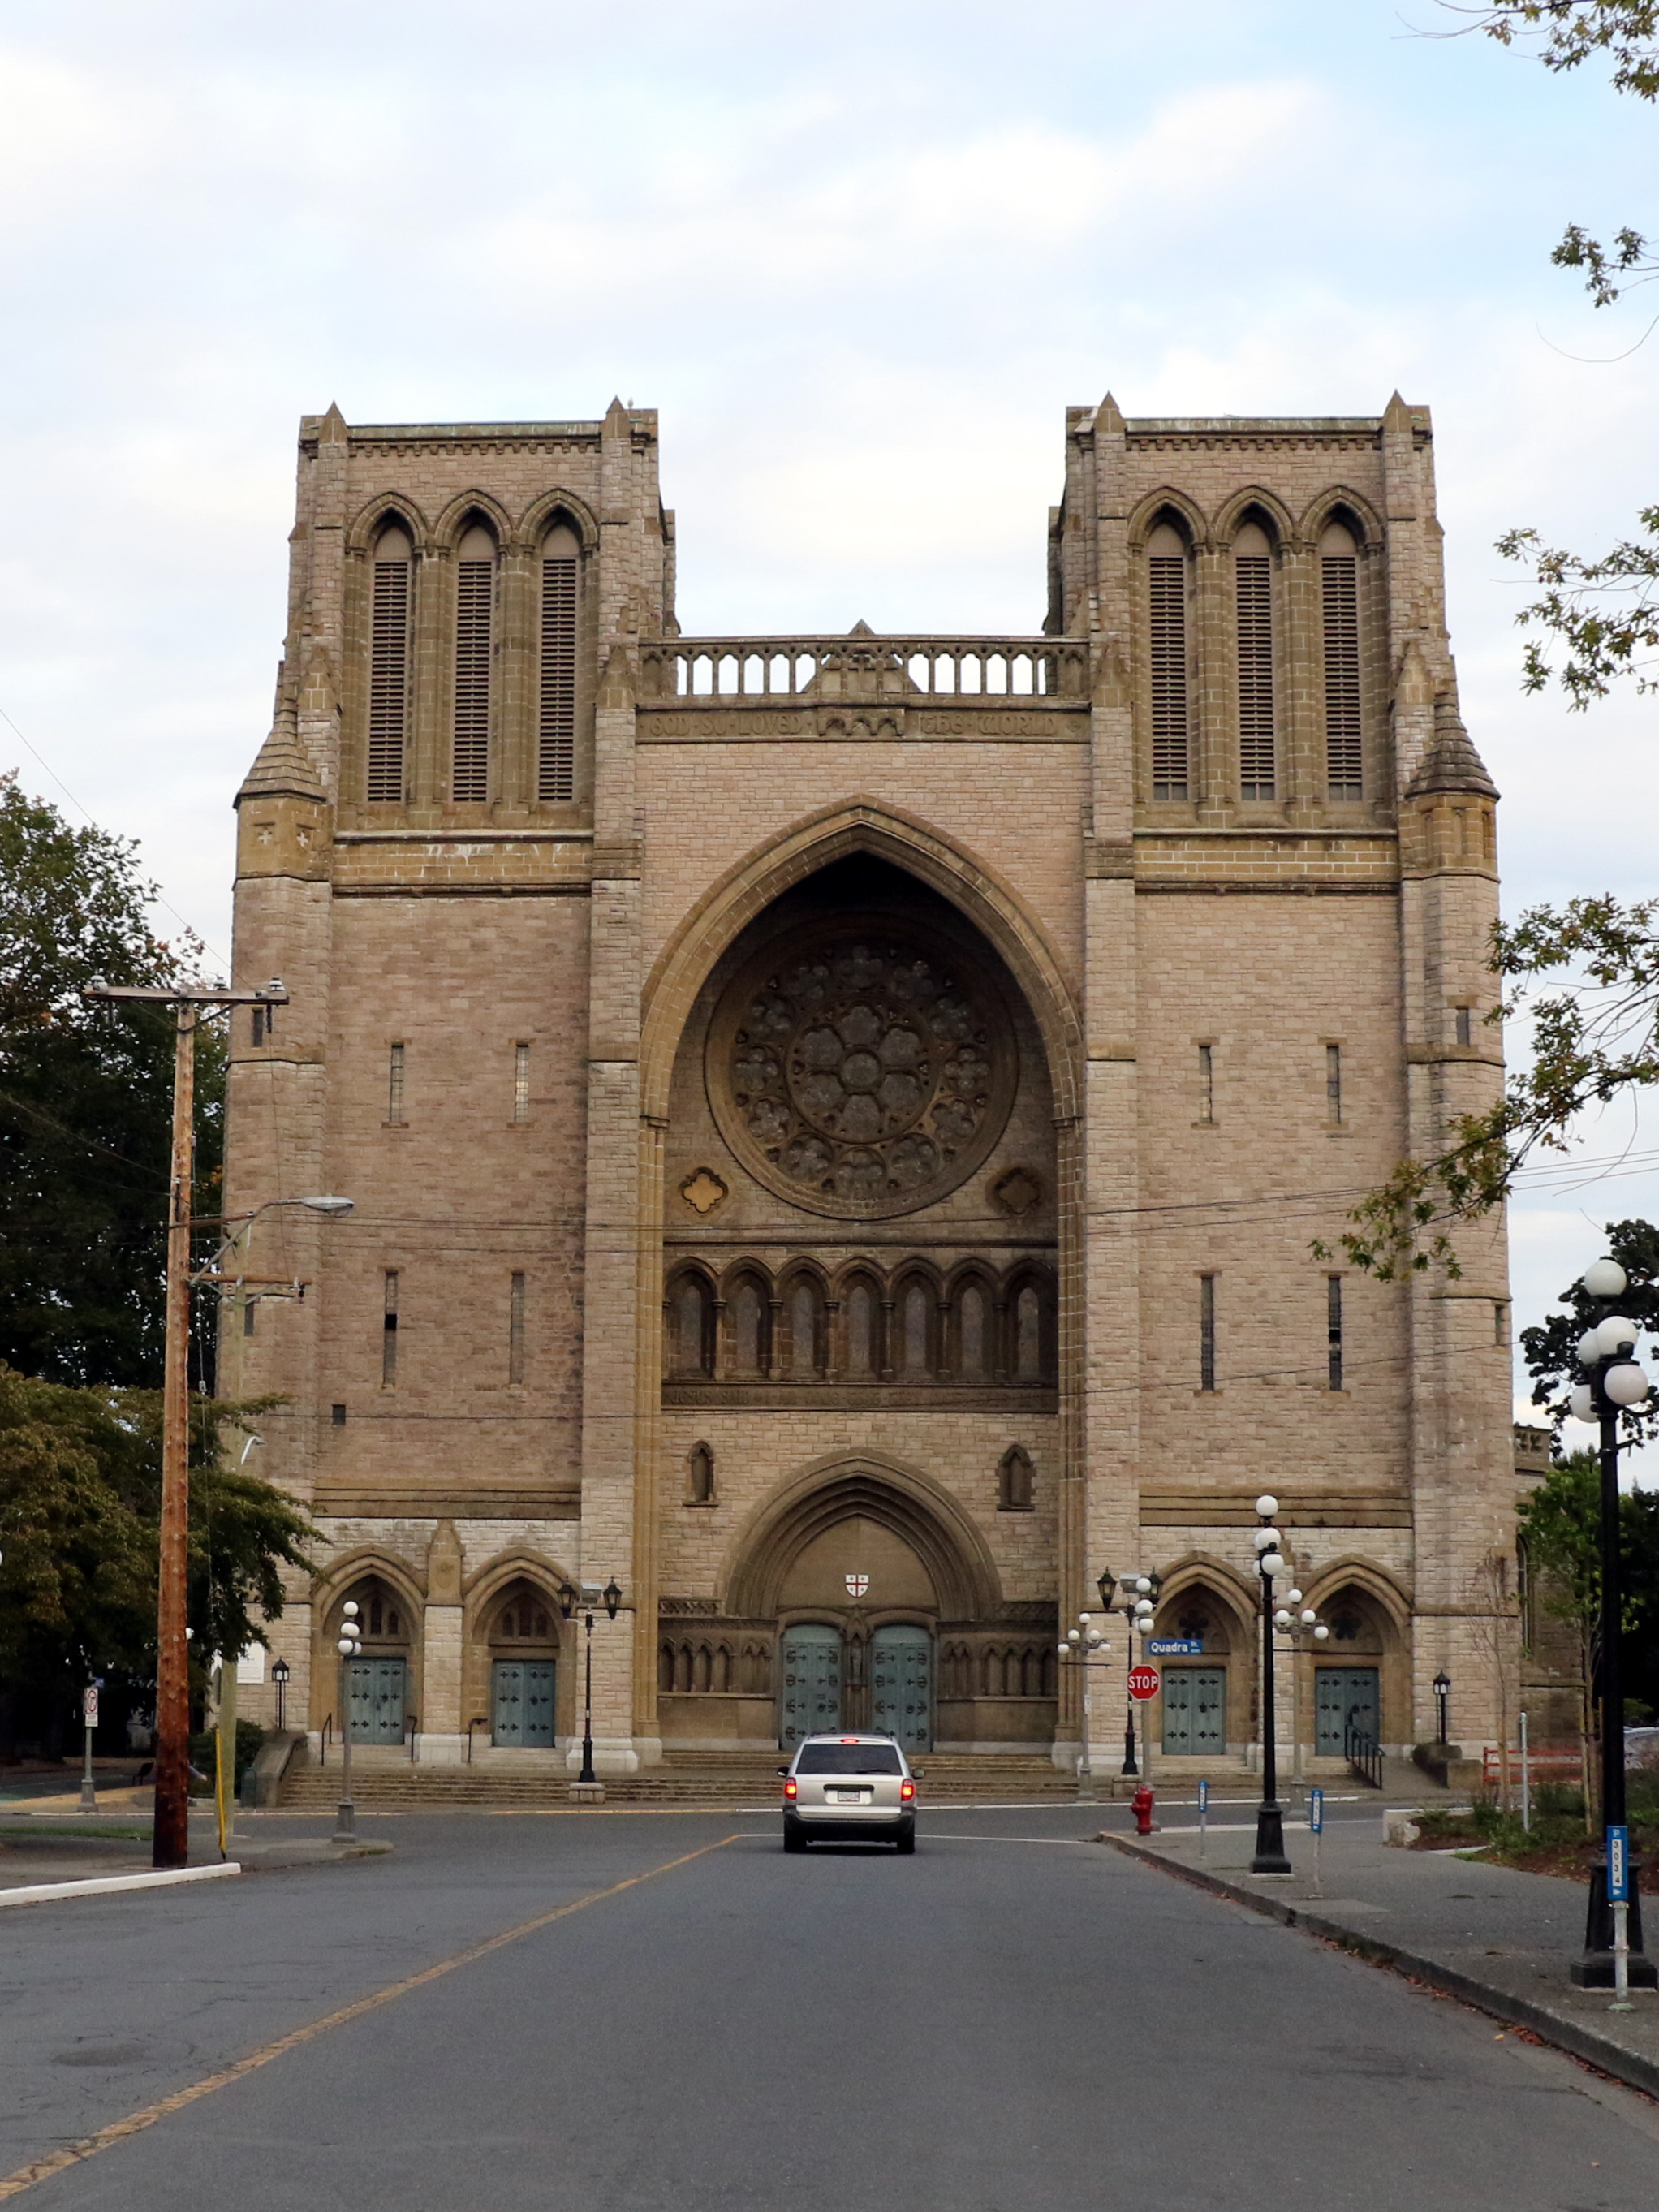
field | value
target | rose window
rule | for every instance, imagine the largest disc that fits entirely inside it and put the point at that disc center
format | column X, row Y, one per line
column 862, row 1074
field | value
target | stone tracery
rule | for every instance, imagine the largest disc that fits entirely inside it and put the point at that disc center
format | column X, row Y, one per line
column 862, row 1073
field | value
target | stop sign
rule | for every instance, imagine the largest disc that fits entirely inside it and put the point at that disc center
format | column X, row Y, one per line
column 1143, row 1682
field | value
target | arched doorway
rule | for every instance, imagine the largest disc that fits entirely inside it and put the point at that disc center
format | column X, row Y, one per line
column 1207, row 1695
column 1355, row 1688
column 524, row 1650
column 377, row 1681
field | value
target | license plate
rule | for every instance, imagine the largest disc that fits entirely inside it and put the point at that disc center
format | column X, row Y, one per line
column 848, row 1796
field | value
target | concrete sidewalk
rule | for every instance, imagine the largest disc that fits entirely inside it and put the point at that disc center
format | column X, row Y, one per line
column 1500, row 1940
column 34, row 1851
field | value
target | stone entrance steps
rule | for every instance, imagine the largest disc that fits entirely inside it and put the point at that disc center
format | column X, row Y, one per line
column 692, row 1778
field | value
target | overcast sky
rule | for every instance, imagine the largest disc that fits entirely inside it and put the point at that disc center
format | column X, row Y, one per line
column 861, row 260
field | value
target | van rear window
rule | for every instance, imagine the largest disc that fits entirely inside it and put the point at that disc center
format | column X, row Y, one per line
column 849, row 1759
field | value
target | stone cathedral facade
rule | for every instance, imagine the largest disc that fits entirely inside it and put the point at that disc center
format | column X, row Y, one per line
column 838, row 1124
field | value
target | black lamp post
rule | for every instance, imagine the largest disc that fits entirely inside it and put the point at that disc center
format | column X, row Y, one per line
column 1140, row 1594
column 279, row 1675
column 1441, row 1691
column 1270, row 1815
column 590, row 1594
column 1612, row 1381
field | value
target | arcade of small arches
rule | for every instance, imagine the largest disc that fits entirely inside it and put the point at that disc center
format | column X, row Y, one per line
column 908, row 1324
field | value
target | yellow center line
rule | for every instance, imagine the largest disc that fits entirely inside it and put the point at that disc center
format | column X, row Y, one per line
column 26, row 2176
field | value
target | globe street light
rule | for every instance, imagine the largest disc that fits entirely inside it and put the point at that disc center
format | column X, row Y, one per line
column 1270, row 1565
column 350, row 1646
column 1301, row 1626
column 1613, row 1380
column 1086, row 1648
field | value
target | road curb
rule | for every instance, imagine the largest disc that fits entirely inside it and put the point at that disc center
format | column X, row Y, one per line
column 1568, row 2035
column 44, row 1893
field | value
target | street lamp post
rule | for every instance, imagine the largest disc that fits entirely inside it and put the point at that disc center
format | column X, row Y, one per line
column 1137, row 1608
column 1086, row 1648
column 1442, row 1687
column 590, row 1595
column 1613, row 1380
column 1269, row 1857
column 279, row 1675
column 1298, row 1623
column 345, row 1829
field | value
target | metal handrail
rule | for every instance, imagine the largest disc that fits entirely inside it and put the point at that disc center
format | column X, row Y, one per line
column 414, row 1721
column 482, row 1720
column 1363, row 1755
column 323, row 1740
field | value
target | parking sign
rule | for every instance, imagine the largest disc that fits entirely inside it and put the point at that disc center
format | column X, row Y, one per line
column 1618, row 1866
column 1316, row 1811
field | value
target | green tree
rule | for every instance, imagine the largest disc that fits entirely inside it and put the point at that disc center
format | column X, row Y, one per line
column 80, row 1528
column 86, row 1103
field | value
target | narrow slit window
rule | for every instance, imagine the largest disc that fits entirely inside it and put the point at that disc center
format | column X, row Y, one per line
column 388, row 668
column 1334, row 1329
column 1166, row 568
column 1206, row 1083
column 389, row 1333
column 1334, row 1085
column 1254, row 592
column 1344, row 769
column 394, row 1085
column 515, row 1330
column 521, row 1082
column 475, row 592
column 1207, row 1332
column 1465, row 1025
column 250, row 1307
column 555, row 740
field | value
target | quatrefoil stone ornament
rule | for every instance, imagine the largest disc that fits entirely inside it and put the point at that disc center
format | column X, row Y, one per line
column 702, row 1191
column 862, row 1071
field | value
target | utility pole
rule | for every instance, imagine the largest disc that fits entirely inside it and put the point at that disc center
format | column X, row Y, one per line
column 191, row 1002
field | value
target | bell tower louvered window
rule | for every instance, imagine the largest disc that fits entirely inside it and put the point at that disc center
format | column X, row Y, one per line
column 388, row 667
column 556, row 742
column 1254, row 586
column 1345, row 766
column 475, row 596
column 1166, row 572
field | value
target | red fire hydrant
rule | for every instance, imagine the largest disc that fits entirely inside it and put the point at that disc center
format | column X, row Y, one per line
column 1141, row 1806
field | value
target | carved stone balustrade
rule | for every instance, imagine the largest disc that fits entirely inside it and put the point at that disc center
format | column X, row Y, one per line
column 862, row 665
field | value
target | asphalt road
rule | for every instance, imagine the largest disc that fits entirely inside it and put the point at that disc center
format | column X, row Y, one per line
column 1015, row 2019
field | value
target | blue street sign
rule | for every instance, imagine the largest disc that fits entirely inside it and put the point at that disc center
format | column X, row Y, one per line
column 1618, row 1866
column 1203, row 1796
column 1175, row 1647
column 1316, row 1811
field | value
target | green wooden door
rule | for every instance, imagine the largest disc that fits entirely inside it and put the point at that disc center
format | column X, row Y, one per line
column 1344, row 1697
column 809, row 1657
column 901, row 1686
column 1195, row 1711
column 522, row 1702
column 375, row 1697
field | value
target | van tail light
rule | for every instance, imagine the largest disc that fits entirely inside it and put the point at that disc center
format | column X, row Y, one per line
column 906, row 1791
column 790, row 1788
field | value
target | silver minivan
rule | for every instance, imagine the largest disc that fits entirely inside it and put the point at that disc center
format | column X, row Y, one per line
column 856, row 1788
